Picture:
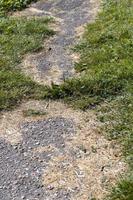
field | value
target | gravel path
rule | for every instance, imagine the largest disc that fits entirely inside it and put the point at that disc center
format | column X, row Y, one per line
column 57, row 62
column 21, row 168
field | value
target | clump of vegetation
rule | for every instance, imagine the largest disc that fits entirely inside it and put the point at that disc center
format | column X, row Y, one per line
column 32, row 112
column 124, row 190
column 17, row 37
column 12, row 5
column 117, row 119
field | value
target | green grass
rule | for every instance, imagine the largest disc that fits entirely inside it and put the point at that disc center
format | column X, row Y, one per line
column 117, row 119
column 12, row 5
column 18, row 37
column 106, row 81
column 124, row 190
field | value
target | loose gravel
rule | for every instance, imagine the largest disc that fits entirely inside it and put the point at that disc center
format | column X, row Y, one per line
column 21, row 168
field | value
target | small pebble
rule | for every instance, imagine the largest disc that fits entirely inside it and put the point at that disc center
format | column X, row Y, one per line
column 50, row 187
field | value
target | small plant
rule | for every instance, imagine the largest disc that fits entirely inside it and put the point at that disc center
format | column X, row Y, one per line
column 32, row 112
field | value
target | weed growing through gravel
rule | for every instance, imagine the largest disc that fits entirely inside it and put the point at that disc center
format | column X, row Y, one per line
column 17, row 37
column 32, row 112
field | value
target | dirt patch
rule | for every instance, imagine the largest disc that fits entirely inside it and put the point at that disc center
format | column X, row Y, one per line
column 30, row 67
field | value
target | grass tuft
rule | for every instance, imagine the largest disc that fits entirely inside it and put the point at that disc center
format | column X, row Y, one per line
column 34, row 113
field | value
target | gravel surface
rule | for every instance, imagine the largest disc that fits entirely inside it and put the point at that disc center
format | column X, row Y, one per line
column 69, row 16
column 21, row 168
